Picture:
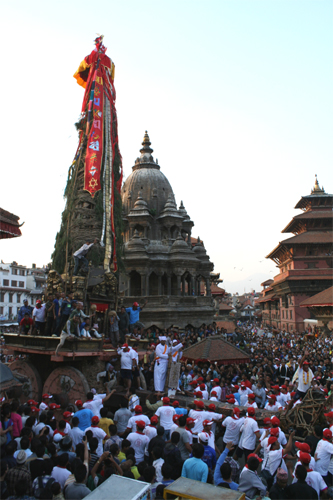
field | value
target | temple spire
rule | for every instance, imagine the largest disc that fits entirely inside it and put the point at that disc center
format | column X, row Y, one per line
column 146, row 149
column 316, row 188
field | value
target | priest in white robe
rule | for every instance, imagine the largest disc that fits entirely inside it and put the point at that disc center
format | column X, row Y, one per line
column 162, row 353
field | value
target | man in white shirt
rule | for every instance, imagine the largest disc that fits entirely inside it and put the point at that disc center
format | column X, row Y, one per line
column 139, row 441
column 250, row 432
column 276, row 453
column 313, row 478
column 59, row 472
column 244, row 392
column 79, row 256
column 251, row 401
column 132, row 422
column 323, row 454
column 165, row 414
column 95, row 403
column 199, row 415
column 216, row 388
column 150, row 429
column 272, row 404
column 75, row 433
column 305, row 377
column 38, row 316
column 233, row 426
column 97, row 433
column 44, row 404
column 162, row 352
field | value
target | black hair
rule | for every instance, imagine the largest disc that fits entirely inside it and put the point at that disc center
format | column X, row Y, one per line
column 48, row 466
column 21, row 487
column 175, row 437
column 40, row 450
column 11, row 447
column 112, row 429
column 114, row 448
column 253, row 463
column 89, row 435
column 93, row 444
column 225, row 470
column 104, row 412
column 75, row 421
column 90, row 395
column 55, row 488
column 182, row 421
column 123, row 403
column 157, row 452
column 198, row 450
column 166, row 470
column 62, row 424
column 131, row 457
column 63, row 459
column 42, row 417
column 3, row 467
column 318, row 431
column 141, row 467
column 160, row 492
column 160, row 430
column 125, row 443
column 27, row 410
column 30, row 422
column 301, row 472
column 149, row 473
column 80, row 472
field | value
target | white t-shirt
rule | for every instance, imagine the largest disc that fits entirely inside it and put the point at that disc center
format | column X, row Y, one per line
column 313, row 479
column 232, row 431
column 43, row 406
column 308, row 376
column 67, row 428
column 200, row 416
column 150, row 431
column 173, row 428
column 60, row 475
column 243, row 395
column 274, row 407
column 248, row 439
column 190, row 437
column 324, row 451
column 264, row 445
column 76, row 435
column 274, row 459
column 39, row 313
column 211, row 439
column 251, row 405
column 211, row 415
column 165, row 414
column 94, row 405
column 131, row 424
column 139, row 443
column 312, row 465
column 126, row 360
column 37, row 428
column 218, row 391
column 100, row 435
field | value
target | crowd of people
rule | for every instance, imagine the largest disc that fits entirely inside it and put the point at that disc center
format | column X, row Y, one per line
column 48, row 453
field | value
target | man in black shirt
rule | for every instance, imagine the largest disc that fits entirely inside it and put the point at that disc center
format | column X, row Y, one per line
column 277, row 491
column 157, row 441
column 301, row 490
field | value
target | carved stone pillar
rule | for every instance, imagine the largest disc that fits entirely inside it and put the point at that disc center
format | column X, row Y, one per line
column 147, row 285
column 179, row 285
column 143, row 280
column 169, row 285
column 159, row 285
column 208, row 290
column 193, row 290
column 183, row 286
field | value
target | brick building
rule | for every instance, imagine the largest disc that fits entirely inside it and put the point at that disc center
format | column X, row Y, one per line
column 305, row 262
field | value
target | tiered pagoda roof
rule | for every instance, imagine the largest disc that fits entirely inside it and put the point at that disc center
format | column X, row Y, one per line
column 9, row 225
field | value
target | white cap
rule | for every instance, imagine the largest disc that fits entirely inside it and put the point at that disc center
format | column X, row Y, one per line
column 162, row 337
column 203, row 436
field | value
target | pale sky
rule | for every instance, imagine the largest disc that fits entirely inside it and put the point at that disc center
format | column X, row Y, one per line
column 236, row 97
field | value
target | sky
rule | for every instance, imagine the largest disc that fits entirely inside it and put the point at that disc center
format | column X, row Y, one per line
column 236, row 97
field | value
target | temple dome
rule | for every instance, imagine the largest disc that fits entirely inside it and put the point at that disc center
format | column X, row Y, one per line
column 148, row 180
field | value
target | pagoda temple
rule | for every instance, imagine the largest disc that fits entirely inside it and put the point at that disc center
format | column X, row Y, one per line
column 305, row 261
column 161, row 263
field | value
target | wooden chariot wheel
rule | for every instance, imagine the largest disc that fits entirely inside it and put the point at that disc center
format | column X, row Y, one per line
column 67, row 384
column 32, row 384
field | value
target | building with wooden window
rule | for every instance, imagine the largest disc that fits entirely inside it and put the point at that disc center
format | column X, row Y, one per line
column 305, row 263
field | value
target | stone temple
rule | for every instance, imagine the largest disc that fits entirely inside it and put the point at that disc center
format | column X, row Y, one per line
column 162, row 262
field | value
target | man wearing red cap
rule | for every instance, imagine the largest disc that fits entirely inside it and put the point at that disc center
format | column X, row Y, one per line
column 305, row 377
column 150, row 430
column 45, row 402
column 250, row 432
column 272, row 404
column 276, row 453
column 165, row 414
column 204, row 393
column 38, row 316
column 199, row 415
column 83, row 414
column 329, row 419
column 97, row 433
column 190, row 422
column 243, row 392
column 216, row 388
column 323, row 454
column 213, row 416
column 134, row 315
column 131, row 425
column 180, row 411
column 305, row 448
column 139, row 441
column 127, row 365
column 251, row 401
column 232, row 426
column 67, row 415
column 313, row 478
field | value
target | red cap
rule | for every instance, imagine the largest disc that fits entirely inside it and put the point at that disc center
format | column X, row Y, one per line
column 292, row 394
column 255, row 456
column 125, row 345
column 200, row 379
column 306, row 363
column 228, row 396
column 216, row 380
column 207, row 422
column 140, row 424
column 154, row 419
column 272, row 396
column 251, row 411
column 136, row 304
column 283, row 386
column 267, row 420
column 275, row 421
column 34, row 409
column 243, row 384
column 305, row 457
column 32, row 402
column 274, row 431
column 194, row 382
column 54, row 406
column 67, row 414
column 175, row 403
column 95, row 421
column 78, row 403
column 46, row 396
column 213, row 393
column 138, row 409
column 166, row 401
column 175, row 418
column 211, row 406
column 231, row 401
column 236, row 410
column 38, row 301
column 251, row 396
column 236, row 387
column 202, row 387
column 276, row 387
column 272, row 440
column 327, row 433
column 198, row 394
column 329, row 414
column 199, row 404
column 190, row 420
column 303, row 447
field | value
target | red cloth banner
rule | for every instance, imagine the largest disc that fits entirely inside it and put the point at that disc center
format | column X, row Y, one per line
column 93, row 161
column 100, row 307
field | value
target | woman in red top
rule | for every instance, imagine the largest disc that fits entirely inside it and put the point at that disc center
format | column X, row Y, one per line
column 17, row 420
